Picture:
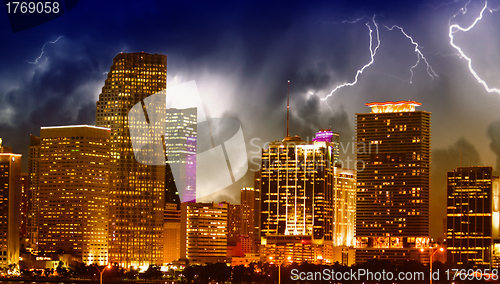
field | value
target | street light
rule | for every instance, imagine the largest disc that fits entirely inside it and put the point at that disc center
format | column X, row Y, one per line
column 320, row 258
column 432, row 255
column 279, row 267
column 102, row 271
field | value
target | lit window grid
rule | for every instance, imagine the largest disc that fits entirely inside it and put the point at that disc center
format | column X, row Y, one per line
column 472, row 215
column 393, row 188
column 304, row 193
column 206, row 230
column 137, row 191
column 74, row 169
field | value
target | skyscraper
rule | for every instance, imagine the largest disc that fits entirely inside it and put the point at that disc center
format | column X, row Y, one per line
column 23, row 232
column 393, row 160
column 73, row 192
column 247, row 203
column 472, row 215
column 34, row 188
column 180, row 146
column 10, row 198
column 307, row 204
column 233, row 219
column 327, row 135
column 257, row 184
column 137, row 189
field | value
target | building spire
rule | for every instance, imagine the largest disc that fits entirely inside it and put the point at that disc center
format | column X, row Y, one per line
column 288, row 110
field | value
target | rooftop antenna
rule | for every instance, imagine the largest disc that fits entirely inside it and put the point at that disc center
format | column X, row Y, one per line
column 288, row 110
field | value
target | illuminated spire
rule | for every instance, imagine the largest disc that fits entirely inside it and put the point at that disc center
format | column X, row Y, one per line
column 288, row 110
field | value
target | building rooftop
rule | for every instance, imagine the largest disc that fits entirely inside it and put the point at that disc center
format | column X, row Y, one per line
column 75, row 126
column 389, row 106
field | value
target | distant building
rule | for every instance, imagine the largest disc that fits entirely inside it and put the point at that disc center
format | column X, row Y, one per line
column 247, row 202
column 257, row 212
column 23, row 232
column 171, row 233
column 239, row 245
column 233, row 219
column 180, row 145
column 10, row 199
column 73, row 192
column 473, row 216
column 204, row 232
column 33, row 192
column 393, row 145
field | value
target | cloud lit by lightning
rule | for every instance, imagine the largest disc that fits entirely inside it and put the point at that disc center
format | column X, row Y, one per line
column 454, row 28
column 41, row 54
column 420, row 56
column 443, row 4
column 373, row 52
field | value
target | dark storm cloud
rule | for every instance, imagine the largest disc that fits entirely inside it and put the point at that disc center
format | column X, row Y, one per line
column 494, row 135
column 311, row 116
column 57, row 91
column 460, row 153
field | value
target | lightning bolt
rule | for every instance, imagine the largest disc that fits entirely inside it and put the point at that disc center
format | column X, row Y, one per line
column 373, row 52
column 443, row 4
column 41, row 54
column 456, row 28
column 420, row 56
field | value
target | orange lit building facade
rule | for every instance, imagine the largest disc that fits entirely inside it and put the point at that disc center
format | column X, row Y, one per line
column 10, row 199
column 137, row 189
column 33, row 193
column 73, row 192
column 472, row 235
column 172, row 233
column 204, row 232
column 393, row 145
column 307, row 204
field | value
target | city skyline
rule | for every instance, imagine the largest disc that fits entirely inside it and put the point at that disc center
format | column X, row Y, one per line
column 241, row 62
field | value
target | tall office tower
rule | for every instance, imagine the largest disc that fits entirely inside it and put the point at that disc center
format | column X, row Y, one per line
column 73, row 192
column 10, row 198
column 233, row 219
column 137, row 189
column 472, row 215
column 393, row 159
column 180, row 146
column 203, row 232
column 23, row 232
column 247, row 203
column 302, row 203
column 257, row 212
column 327, row 135
column 172, row 233
column 34, row 188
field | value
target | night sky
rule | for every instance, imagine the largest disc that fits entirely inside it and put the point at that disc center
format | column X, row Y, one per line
column 242, row 54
